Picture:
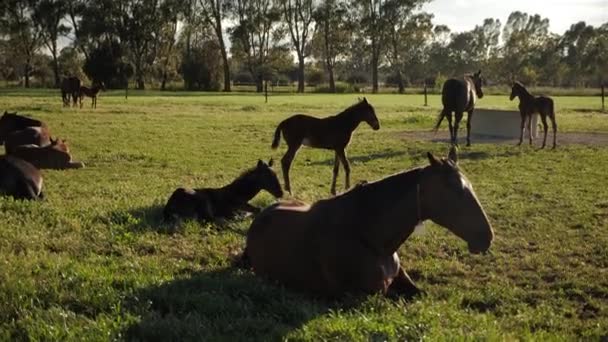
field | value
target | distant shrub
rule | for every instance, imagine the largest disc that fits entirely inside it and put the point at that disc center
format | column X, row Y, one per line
column 341, row 88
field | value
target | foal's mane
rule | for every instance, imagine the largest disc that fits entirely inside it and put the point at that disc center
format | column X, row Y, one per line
column 350, row 109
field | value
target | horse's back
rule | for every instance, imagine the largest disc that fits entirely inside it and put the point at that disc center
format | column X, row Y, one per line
column 455, row 94
column 19, row 178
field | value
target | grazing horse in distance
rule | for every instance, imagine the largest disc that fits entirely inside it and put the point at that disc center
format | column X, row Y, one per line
column 349, row 243
column 331, row 133
column 56, row 155
column 530, row 105
column 20, row 179
column 92, row 93
column 459, row 96
column 70, row 86
column 207, row 204
column 20, row 130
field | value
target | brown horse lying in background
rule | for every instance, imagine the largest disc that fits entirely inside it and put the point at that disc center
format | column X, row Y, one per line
column 207, row 204
column 18, row 130
column 92, row 93
column 348, row 243
column 56, row 155
column 20, row 179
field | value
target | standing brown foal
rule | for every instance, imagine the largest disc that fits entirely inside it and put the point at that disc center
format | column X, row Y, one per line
column 331, row 133
column 92, row 93
column 530, row 105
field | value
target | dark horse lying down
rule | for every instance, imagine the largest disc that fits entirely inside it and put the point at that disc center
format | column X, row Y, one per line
column 459, row 96
column 20, row 179
column 207, row 204
column 18, row 130
column 331, row 133
column 348, row 243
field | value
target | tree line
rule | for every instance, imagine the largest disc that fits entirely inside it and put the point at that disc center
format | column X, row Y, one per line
column 213, row 44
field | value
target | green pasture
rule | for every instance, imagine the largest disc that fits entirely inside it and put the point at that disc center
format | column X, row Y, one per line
column 94, row 262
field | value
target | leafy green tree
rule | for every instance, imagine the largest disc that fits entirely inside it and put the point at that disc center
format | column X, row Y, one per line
column 298, row 15
column 215, row 12
column 48, row 16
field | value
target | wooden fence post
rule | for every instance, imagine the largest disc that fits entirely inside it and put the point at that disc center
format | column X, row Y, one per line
column 426, row 103
column 603, row 95
column 266, row 90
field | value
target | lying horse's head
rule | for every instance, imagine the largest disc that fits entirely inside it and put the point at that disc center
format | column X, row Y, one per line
column 267, row 179
column 59, row 144
column 447, row 198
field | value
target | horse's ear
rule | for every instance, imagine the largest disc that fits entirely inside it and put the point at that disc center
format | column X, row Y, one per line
column 453, row 154
column 364, row 100
column 271, row 162
column 479, row 73
column 260, row 163
column 432, row 160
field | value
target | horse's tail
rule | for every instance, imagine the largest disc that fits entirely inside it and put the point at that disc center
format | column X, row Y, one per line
column 277, row 136
column 439, row 119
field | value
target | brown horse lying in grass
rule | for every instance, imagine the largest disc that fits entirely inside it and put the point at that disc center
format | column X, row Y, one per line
column 207, row 204
column 18, row 130
column 56, row 155
column 348, row 243
column 20, row 179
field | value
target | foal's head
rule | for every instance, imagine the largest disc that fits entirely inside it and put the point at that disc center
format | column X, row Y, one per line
column 266, row 178
column 59, row 144
column 515, row 90
column 477, row 81
column 366, row 113
column 448, row 199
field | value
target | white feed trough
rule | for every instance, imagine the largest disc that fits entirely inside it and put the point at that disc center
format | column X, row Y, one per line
column 500, row 123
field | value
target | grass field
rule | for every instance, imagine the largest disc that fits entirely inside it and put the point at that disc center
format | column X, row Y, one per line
column 94, row 262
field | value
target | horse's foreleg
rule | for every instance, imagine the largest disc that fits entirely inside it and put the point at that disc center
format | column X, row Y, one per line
column 332, row 189
column 522, row 125
column 249, row 208
column 450, row 126
column 530, row 128
column 469, row 119
column 545, row 127
column 344, row 160
column 402, row 286
column 286, row 164
column 457, row 119
column 554, row 124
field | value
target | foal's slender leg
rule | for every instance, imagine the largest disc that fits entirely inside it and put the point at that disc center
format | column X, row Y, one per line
column 344, row 160
column 469, row 119
column 523, row 124
column 450, row 127
column 403, row 286
column 336, row 172
column 554, row 124
column 543, row 118
column 286, row 164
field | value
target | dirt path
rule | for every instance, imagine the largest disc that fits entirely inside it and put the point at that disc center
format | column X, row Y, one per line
column 568, row 138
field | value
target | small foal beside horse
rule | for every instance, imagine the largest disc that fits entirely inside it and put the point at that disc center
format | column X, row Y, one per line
column 348, row 243
column 331, row 133
column 459, row 96
column 56, row 155
column 18, row 130
column 530, row 105
column 20, row 179
column 92, row 93
column 207, row 204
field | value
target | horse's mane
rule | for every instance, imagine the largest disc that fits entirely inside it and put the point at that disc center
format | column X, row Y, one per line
column 350, row 109
column 408, row 177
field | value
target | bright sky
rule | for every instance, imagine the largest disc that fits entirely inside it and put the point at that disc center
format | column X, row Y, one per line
column 463, row 15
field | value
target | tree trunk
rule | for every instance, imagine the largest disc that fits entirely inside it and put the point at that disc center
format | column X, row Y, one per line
column 56, row 71
column 139, row 78
column 227, row 77
column 400, row 82
column 259, row 84
column 27, row 73
column 332, row 82
column 164, row 81
column 301, row 80
column 374, row 71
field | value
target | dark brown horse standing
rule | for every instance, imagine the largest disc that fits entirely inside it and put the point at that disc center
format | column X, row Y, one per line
column 92, row 93
column 530, row 105
column 348, row 243
column 18, row 130
column 331, row 133
column 20, row 179
column 207, row 204
column 459, row 96
column 70, row 86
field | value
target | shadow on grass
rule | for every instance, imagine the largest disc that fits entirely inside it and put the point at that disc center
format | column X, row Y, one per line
column 364, row 158
column 228, row 304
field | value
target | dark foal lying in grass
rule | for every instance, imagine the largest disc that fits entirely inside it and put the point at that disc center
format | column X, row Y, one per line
column 56, row 155
column 207, row 204
column 19, row 179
